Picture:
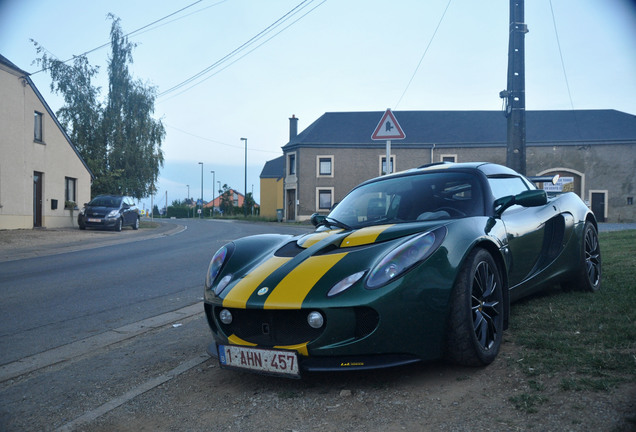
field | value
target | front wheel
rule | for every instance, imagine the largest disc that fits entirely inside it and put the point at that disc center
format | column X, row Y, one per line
column 118, row 225
column 475, row 327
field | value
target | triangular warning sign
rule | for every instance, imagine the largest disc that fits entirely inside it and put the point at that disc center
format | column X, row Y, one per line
column 388, row 128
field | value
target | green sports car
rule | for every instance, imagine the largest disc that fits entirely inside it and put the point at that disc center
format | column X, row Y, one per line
column 417, row 265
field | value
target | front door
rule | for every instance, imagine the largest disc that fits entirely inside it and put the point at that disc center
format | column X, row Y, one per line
column 37, row 199
column 598, row 205
column 291, row 204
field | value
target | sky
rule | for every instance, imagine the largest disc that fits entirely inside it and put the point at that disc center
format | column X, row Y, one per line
column 269, row 60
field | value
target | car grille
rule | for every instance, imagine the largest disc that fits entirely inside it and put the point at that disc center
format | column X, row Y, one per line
column 271, row 327
column 286, row 327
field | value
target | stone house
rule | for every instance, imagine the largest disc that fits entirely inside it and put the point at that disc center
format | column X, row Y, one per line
column 594, row 151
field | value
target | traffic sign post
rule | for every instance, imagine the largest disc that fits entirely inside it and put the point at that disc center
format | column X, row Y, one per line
column 388, row 129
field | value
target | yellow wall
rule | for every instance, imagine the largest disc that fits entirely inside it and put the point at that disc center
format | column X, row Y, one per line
column 271, row 196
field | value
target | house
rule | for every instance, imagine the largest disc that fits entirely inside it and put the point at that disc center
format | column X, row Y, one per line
column 42, row 175
column 237, row 201
column 272, row 189
column 594, row 152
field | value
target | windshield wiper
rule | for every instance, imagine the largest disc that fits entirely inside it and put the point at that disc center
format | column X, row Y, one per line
column 336, row 223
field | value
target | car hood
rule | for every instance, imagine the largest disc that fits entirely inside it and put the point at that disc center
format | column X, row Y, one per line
column 308, row 266
column 99, row 209
column 366, row 235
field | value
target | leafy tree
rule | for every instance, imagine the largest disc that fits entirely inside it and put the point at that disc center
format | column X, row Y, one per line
column 248, row 203
column 227, row 200
column 82, row 112
column 120, row 140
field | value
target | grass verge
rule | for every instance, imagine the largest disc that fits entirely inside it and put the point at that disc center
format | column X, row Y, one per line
column 584, row 341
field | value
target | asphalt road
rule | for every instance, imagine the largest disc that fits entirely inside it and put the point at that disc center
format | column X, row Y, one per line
column 99, row 320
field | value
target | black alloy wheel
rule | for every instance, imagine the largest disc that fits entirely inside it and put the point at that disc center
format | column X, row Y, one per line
column 475, row 326
column 485, row 305
column 588, row 265
column 592, row 252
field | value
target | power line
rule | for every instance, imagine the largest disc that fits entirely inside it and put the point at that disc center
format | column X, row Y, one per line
column 219, row 142
column 565, row 75
column 141, row 28
column 295, row 10
column 423, row 55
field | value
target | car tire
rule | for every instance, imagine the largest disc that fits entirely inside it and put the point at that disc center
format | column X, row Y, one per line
column 475, row 327
column 588, row 276
column 118, row 225
column 135, row 225
column 82, row 227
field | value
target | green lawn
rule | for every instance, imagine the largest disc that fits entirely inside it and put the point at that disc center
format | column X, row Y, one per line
column 584, row 341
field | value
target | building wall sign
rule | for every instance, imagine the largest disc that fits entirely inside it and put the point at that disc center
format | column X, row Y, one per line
column 564, row 184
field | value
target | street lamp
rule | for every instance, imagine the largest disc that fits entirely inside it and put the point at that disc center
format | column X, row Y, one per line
column 245, row 197
column 188, row 198
column 201, row 163
column 213, row 178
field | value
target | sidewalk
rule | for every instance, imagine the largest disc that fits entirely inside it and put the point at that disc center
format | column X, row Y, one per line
column 29, row 243
column 604, row 226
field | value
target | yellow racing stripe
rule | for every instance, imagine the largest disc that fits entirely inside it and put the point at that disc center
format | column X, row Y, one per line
column 364, row 236
column 300, row 348
column 311, row 239
column 292, row 290
column 235, row 340
column 238, row 295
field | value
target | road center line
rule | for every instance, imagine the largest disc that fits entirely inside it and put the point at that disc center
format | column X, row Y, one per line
column 131, row 394
column 82, row 347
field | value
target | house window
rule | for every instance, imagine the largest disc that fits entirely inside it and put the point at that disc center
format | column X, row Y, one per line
column 324, row 166
column 70, row 185
column 448, row 158
column 383, row 164
column 630, row 200
column 324, row 198
column 235, row 199
column 292, row 164
column 37, row 126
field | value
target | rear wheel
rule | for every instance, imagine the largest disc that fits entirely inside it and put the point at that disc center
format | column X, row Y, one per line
column 475, row 327
column 136, row 224
column 588, row 276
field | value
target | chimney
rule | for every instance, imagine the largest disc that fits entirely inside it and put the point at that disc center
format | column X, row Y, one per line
column 293, row 127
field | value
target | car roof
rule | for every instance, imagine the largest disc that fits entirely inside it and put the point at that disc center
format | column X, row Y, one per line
column 486, row 168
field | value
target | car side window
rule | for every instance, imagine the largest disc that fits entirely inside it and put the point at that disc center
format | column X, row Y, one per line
column 505, row 186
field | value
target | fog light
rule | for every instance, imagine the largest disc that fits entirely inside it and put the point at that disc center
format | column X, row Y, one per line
column 225, row 316
column 315, row 320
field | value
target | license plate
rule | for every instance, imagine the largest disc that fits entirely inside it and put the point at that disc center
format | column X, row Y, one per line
column 94, row 220
column 278, row 362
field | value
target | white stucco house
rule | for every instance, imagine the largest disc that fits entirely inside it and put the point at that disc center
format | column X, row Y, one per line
column 42, row 175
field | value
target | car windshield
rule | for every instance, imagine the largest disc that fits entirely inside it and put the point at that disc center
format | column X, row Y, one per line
column 105, row 201
column 410, row 198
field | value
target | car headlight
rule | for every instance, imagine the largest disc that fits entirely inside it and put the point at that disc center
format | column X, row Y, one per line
column 404, row 257
column 112, row 214
column 218, row 260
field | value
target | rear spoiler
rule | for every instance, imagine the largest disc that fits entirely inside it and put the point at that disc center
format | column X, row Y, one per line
column 544, row 179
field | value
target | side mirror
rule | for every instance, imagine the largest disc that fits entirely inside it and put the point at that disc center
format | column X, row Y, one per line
column 529, row 198
column 316, row 219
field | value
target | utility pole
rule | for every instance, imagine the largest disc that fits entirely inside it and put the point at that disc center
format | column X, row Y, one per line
column 515, row 95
